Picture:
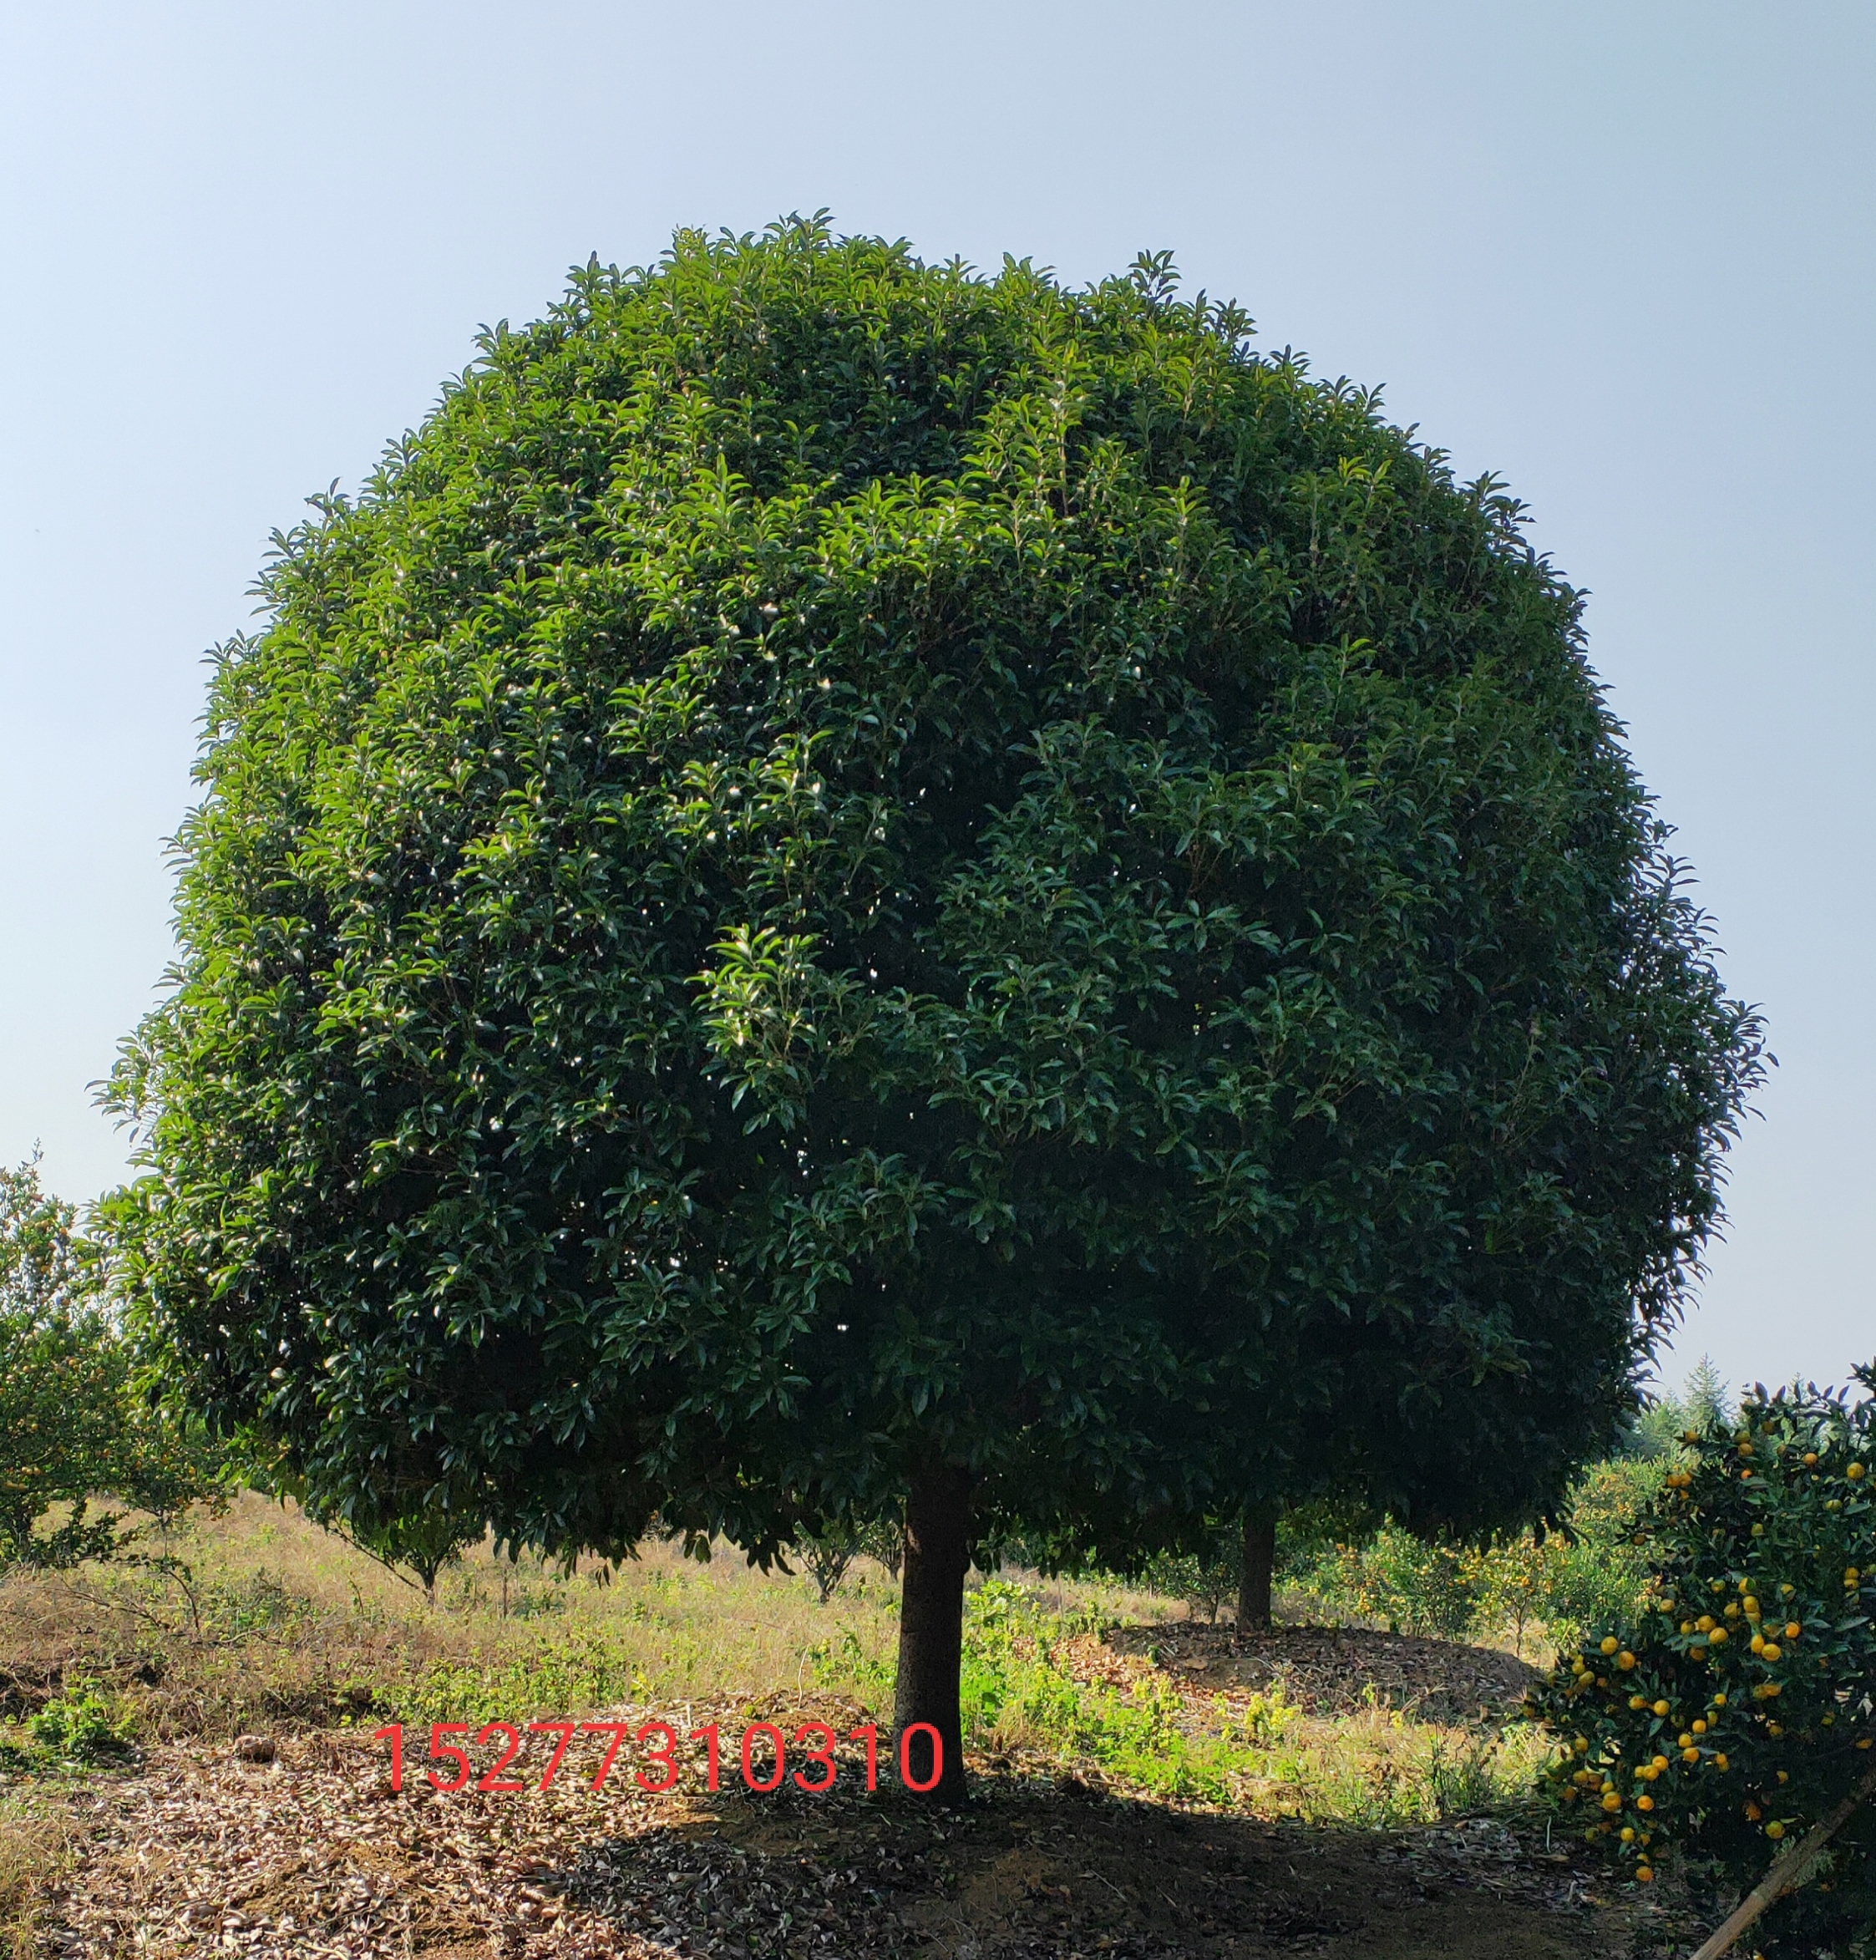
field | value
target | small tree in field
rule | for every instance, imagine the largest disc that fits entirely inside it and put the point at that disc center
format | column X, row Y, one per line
column 1734, row 1713
column 854, row 891
column 72, row 1432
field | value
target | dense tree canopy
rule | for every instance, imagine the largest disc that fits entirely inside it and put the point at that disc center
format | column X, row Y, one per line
column 840, row 865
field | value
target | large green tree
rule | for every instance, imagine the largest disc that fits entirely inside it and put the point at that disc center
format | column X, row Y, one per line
column 847, row 886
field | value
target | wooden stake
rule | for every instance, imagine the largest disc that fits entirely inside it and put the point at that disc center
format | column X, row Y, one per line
column 1788, row 1872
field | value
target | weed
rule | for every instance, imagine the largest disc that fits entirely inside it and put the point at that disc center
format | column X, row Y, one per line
column 80, row 1726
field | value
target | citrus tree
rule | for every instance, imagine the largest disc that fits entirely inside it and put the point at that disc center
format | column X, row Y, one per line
column 72, row 1430
column 1735, row 1711
column 850, row 891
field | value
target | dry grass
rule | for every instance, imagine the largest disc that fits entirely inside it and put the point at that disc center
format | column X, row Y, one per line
column 279, row 1623
column 34, row 1840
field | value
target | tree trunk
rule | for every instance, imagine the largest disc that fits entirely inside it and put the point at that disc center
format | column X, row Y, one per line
column 1253, row 1574
column 931, row 1623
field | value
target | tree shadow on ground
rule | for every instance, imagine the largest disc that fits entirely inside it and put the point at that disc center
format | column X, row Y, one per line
column 1034, row 1867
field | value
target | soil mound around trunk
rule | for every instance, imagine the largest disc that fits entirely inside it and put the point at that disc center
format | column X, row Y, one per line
column 1323, row 1670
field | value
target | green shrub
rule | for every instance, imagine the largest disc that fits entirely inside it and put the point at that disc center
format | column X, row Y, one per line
column 1203, row 1580
column 72, row 1427
column 80, row 1726
column 1593, row 1571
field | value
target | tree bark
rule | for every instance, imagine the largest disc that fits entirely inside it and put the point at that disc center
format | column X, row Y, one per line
column 931, row 1623
column 1259, row 1561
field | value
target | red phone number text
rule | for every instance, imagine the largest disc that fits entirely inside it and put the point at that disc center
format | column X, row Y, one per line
column 763, row 1754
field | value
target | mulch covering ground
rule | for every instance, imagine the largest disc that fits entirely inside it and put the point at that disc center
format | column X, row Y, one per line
column 1324, row 1670
column 314, row 1854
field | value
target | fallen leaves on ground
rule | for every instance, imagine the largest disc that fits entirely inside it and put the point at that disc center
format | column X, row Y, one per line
column 1324, row 1670
column 312, row 1855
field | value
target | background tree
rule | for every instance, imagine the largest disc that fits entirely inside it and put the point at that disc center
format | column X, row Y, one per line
column 849, row 885
column 72, row 1430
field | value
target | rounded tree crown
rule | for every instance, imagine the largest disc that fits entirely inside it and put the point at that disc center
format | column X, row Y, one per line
column 840, row 862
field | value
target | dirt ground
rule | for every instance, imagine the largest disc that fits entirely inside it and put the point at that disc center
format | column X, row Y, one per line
column 314, row 1856
column 1323, row 1670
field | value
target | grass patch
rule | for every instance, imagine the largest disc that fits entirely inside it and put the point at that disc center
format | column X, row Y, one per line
column 34, row 1845
column 1379, row 1769
column 259, row 1621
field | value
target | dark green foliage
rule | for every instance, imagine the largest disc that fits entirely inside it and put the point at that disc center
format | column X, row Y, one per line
column 839, row 864
column 1758, row 1629
column 72, row 1430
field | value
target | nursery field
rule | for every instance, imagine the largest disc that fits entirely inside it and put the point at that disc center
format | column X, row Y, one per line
column 195, row 1761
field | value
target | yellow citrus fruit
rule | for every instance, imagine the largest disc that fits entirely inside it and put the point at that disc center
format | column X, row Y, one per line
column 1793, row 1629
column 1644, row 1874
column 1660, row 1708
column 1609, row 1643
column 1775, row 1829
column 1855, row 1473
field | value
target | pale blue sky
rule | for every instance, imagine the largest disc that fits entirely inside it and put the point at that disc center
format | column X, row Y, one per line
column 1624, row 255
